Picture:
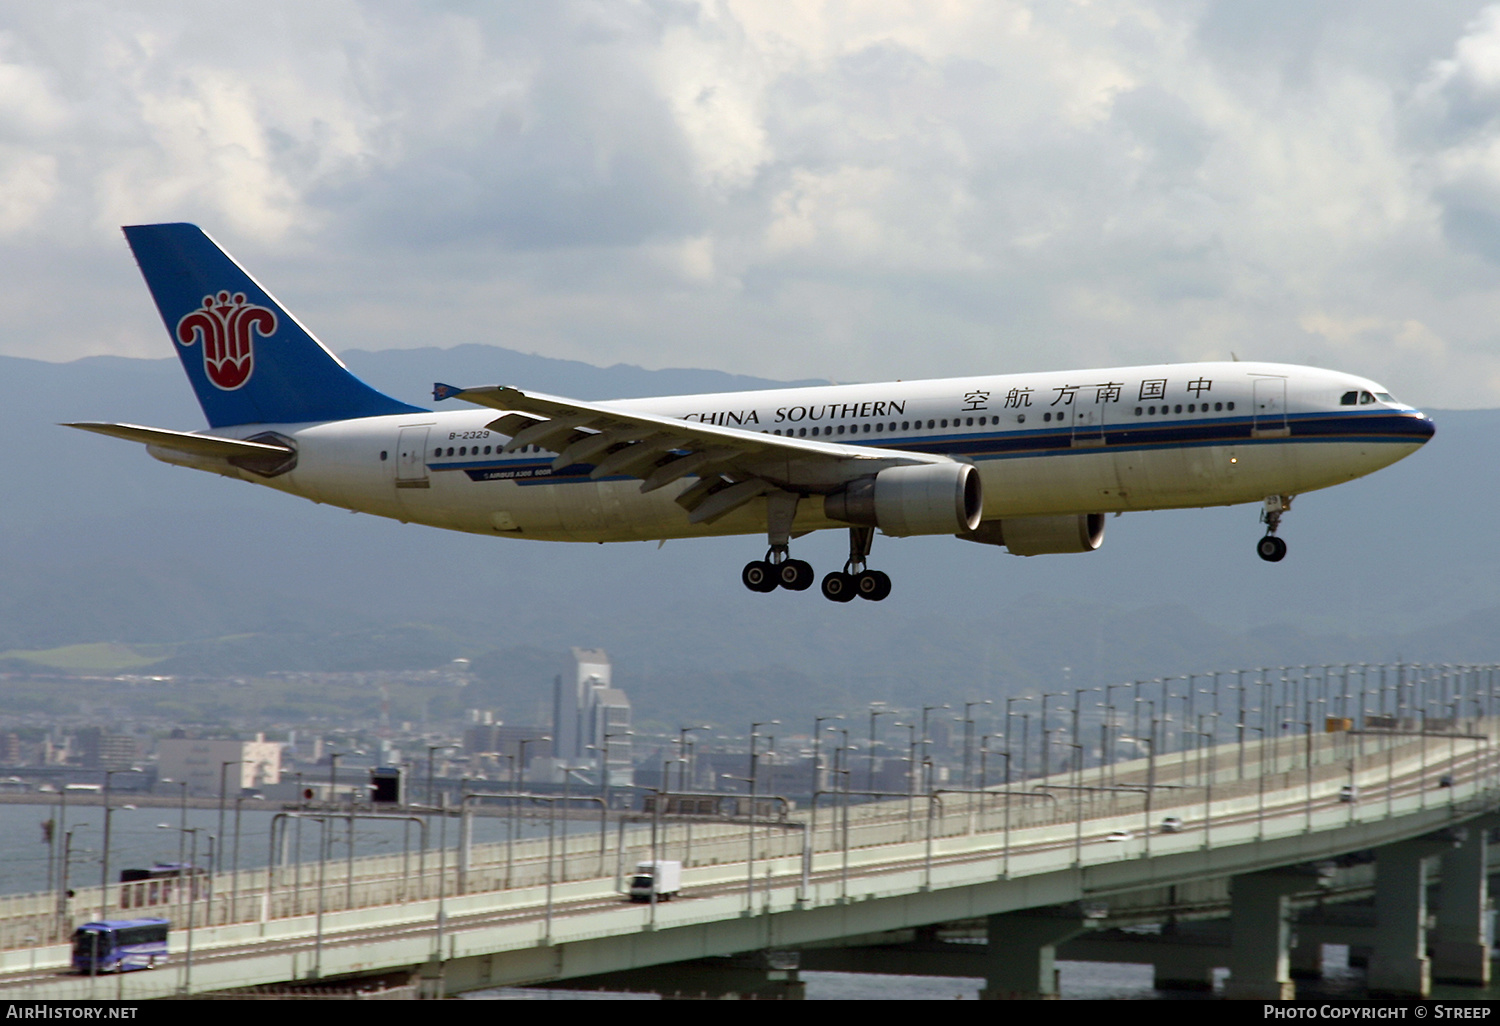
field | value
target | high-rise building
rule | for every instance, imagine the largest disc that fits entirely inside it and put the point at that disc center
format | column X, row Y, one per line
column 202, row 763
column 99, row 749
column 590, row 716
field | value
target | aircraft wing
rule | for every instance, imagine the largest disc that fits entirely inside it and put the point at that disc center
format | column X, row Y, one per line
column 733, row 466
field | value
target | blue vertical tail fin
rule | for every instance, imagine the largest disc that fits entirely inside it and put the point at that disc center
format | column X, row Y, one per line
column 250, row 361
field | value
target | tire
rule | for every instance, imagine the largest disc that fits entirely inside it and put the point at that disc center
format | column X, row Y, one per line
column 838, row 587
column 795, row 575
column 874, row 585
column 1271, row 548
column 759, row 576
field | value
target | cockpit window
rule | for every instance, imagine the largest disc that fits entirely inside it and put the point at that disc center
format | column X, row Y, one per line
column 1349, row 399
column 1365, row 397
column 1385, row 397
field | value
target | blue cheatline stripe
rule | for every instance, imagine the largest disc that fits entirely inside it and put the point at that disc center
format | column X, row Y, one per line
column 1311, row 428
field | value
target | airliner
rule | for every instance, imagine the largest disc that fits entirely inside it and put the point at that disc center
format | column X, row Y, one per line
column 1032, row 462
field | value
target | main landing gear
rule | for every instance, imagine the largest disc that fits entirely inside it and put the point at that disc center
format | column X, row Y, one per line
column 779, row 570
column 856, row 578
column 1271, row 548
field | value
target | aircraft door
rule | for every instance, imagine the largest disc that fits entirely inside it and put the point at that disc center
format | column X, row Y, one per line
column 411, row 457
column 1088, row 424
column 1270, row 409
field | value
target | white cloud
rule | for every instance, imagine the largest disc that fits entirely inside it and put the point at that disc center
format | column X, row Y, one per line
column 836, row 189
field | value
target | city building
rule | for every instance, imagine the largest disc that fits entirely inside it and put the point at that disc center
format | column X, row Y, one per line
column 242, row 764
column 591, row 718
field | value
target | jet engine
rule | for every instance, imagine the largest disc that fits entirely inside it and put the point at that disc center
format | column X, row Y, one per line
column 1039, row 536
column 929, row 498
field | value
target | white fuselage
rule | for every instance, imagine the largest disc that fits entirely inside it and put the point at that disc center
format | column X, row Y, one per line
column 1098, row 441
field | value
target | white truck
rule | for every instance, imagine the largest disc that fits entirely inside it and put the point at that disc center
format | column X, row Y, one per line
column 662, row 877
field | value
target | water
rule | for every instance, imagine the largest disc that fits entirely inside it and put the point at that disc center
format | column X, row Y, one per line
column 142, row 836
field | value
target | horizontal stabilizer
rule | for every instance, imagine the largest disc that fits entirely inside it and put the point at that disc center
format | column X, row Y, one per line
column 183, row 441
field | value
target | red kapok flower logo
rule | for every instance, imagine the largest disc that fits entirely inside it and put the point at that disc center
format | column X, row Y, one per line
column 226, row 325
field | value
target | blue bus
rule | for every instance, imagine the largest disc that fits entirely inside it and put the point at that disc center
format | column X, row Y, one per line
column 119, row 945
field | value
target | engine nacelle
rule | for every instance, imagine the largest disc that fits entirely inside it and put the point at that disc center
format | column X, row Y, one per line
column 930, row 498
column 1040, row 536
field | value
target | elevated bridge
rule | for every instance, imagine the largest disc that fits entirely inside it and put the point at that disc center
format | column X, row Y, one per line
column 1257, row 827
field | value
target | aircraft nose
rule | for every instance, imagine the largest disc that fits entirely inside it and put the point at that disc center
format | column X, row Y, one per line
column 1422, row 428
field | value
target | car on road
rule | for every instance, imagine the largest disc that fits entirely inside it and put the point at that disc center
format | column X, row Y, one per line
column 1348, row 793
column 1171, row 825
column 1119, row 835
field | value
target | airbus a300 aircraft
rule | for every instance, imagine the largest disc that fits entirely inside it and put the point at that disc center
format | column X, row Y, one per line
column 1031, row 461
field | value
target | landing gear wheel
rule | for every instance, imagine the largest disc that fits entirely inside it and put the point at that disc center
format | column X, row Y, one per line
column 795, row 575
column 759, row 576
column 1271, row 548
column 873, row 585
column 839, row 587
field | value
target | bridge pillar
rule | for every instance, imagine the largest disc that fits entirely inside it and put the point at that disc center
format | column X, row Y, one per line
column 1459, row 952
column 1399, row 965
column 1021, row 954
column 1261, row 936
column 1306, row 959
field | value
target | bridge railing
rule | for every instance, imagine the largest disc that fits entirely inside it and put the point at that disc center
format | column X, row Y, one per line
column 1377, row 763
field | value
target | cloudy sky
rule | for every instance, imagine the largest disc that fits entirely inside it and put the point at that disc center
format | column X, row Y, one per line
column 851, row 191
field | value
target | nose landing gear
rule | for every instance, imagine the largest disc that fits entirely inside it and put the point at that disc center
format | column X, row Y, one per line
column 1271, row 548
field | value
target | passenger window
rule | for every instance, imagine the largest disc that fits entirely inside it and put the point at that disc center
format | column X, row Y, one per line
column 841, row 429
column 1218, row 407
column 1348, row 398
column 1229, row 406
column 929, row 425
column 1137, row 411
column 450, row 450
column 879, row 427
column 1178, row 408
column 382, row 455
column 815, row 432
column 1020, row 418
column 1046, row 416
column 802, row 432
column 1151, row 410
column 904, row 425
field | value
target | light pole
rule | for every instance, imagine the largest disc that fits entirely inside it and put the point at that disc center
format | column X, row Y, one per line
column 817, row 753
column 223, row 769
column 682, row 754
column 750, row 828
column 104, row 861
column 1008, row 734
column 874, row 712
column 969, row 737
column 187, row 965
column 431, row 751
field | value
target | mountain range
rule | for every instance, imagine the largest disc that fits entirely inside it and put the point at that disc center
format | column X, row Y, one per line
column 197, row 574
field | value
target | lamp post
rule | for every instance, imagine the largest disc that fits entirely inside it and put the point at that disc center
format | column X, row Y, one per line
column 187, row 965
column 817, row 753
column 104, row 861
column 750, row 828
column 968, row 738
column 604, row 776
column 1046, row 732
column 1008, row 735
column 874, row 712
column 223, row 768
column 431, row 751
